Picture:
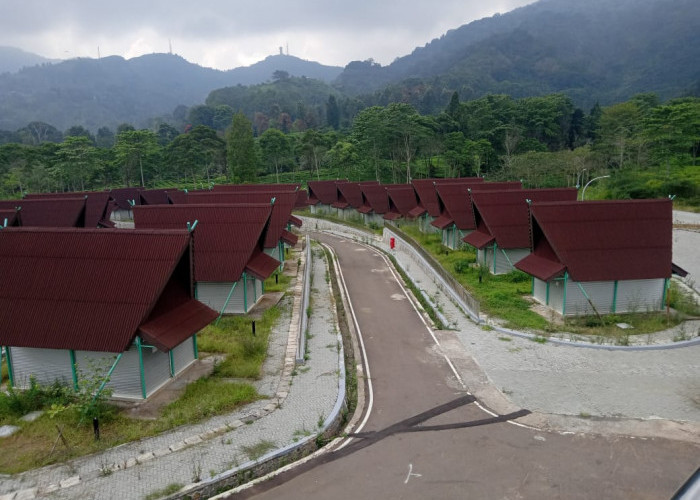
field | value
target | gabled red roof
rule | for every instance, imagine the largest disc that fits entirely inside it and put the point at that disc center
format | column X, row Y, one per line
column 96, row 204
column 602, row 240
column 505, row 215
column 176, row 196
column 93, row 289
column 153, row 197
column 9, row 215
column 302, row 199
column 374, row 199
column 281, row 209
column 427, row 196
column 246, row 188
column 325, row 192
column 350, row 193
column 226, row 238
column 123, row 196
column 456, row 205
column 49, row 212
column 402, row 199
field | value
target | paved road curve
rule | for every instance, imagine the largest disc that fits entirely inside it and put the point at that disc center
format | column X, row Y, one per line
column 425, row 437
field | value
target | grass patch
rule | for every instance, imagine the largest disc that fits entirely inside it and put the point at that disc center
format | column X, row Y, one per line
column 682, row 301
column 245, row 352
column 37, row 443
column 164, row 492
column 259, row 449
column 498, row 295
column 282, row 284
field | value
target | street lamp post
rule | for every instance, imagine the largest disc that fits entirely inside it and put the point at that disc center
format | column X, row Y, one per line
column 583, row 192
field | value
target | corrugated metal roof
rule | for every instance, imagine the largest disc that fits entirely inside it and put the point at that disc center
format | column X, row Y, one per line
column 123, row 196
column 96, row 204
column 325, row 192
column 402, row 199
column 281, row 209
column 86, row 289
column 455, row 201
column 225, row 239
column 261, row 265
column 351, row 194
column 427, row 196
column 154, row 197
column 243, row 188
column 302, row 199
column 374, row 199
column 9, row 215
column 49, row 212
column 506, row 214
column 176, row 196
column 607, row 240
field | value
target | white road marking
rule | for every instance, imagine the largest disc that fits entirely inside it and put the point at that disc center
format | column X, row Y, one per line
column 411, row 473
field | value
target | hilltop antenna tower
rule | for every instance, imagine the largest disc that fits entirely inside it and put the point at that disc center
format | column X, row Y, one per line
column 170, row 46
column 98, row 52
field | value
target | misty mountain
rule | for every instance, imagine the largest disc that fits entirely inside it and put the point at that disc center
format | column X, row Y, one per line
column 111, row 90
column 598, row 50
column 13, row 59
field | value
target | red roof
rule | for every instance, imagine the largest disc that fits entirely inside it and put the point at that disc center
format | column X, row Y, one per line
column 281, row 209
column 325, row 192
column 10, row 215
column 350, row 193
column 302, row 199
column 375, row 199
column 601, row 240
column 177, row 196
column 226, row 238
column 95, row 289
column 505, row 215
column 123, row 196
column 402, row 199
column 245, row 188
column 96, row 204
column 427, row 196
column 153, row 197
column 49, row 212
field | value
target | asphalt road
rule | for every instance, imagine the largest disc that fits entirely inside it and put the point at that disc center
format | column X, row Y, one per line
column 425, row 437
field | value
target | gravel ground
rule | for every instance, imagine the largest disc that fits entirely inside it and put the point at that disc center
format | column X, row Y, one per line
column 563, row 379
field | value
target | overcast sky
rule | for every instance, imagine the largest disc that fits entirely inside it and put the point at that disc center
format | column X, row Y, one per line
column 225, row 34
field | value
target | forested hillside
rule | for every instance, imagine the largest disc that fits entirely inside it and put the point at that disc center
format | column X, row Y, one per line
column 594, row 51
column 95, row 93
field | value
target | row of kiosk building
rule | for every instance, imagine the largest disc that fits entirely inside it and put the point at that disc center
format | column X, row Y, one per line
column 78, row 291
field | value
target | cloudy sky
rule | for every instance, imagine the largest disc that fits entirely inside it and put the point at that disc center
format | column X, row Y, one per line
column 226, row 34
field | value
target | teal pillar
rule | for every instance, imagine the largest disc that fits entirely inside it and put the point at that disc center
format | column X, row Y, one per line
column 494, row 257
column 10, row 370
column 566, row 285
column 141, row 369
column 546, row 300
column 73, row 369
column 172, row 363
column 245, row 292
column 614, row 304
column 194, row 346
column 667, row 284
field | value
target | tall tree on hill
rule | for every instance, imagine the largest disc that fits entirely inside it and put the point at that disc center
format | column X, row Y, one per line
column 275, row 149
column 131, row 149
column 332, row 112
column 240, row 146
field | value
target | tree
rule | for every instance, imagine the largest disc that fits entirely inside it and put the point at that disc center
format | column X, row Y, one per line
column 332, row 112
column 131, row 149
column 76, row 159
column 344, row 158
column 166, row 134
column 104, row 138
column 240, row 147
column 79, row 131
column 275, row 149
column 197, row 152
column 36, row 133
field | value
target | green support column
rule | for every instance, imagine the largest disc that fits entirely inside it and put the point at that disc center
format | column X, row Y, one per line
column 172, row 363
column 255, row 290
column 194, row 345
column 494, row 257
column 546, row 300
column 566, row 285
column 245, row 292
column 667, row 284
column 10, row 371
column 614, row 304
column 141, row 370
column 74, row 372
